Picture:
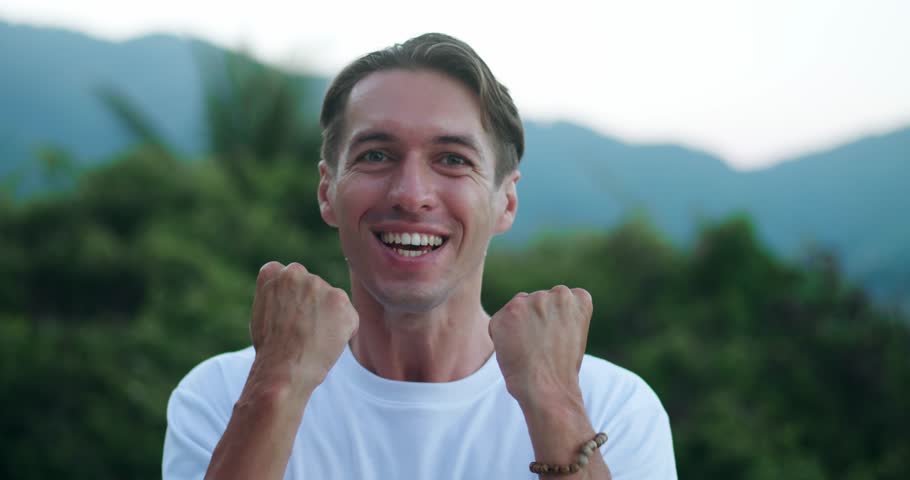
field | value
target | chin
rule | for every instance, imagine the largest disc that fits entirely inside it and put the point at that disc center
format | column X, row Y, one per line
column 409, row 300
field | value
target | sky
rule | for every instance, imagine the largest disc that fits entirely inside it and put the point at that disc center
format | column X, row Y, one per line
column 754, row 82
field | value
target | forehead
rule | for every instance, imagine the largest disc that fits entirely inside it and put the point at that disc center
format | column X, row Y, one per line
column 413, row 105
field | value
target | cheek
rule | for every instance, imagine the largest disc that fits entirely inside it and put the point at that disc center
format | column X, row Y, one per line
column 471, row 202
column 354, row 197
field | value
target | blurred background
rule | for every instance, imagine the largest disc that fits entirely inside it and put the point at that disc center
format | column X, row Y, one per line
column 730, row 180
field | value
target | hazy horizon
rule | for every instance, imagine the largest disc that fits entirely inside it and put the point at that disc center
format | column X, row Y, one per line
column 753, row 83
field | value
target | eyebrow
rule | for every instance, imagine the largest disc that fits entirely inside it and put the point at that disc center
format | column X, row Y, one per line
column 371, row 136
column 462, row 140
column 382, row 136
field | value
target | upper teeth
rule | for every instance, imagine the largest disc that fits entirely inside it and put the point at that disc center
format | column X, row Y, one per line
column 411, row 239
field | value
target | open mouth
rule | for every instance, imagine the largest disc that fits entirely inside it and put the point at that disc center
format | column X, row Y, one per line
column 411, row 244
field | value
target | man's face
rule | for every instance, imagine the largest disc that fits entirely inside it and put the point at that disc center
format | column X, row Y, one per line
column 414, row 158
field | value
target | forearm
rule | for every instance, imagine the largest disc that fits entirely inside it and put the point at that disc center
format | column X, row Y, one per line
column 259, row 437
column 558, row 425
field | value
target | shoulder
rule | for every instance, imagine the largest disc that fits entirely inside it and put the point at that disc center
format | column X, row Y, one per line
column 219, row 379
column 614, row 390
column 622, row 404
column 225, row 368
column 198, row 412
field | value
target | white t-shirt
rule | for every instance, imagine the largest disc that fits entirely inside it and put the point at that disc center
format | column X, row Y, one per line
column 358, row 425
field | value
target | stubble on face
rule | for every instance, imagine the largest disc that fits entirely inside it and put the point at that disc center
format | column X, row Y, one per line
column 404, row 115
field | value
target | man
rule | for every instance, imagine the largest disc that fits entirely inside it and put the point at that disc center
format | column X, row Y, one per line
column 410, row 378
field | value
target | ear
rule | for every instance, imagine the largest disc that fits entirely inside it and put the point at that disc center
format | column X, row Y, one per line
column 509, row 206
column 326, row 193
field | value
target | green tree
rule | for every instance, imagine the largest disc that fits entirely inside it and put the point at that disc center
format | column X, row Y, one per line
column 115, row 284
column 113, row 288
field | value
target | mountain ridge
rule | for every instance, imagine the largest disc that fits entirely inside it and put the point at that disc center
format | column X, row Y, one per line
column 851, row 198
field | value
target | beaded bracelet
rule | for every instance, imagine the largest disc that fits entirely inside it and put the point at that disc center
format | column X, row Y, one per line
column 586, row 450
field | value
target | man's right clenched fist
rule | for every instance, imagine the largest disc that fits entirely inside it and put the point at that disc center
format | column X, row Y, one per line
column 300, row 325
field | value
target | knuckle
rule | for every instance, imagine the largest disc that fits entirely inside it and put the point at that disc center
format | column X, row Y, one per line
column 295, row 268
column 583, row 295
column 511, row 308
column 561, row 290
column 517, row 303
column 580, row 292
column 293, row 273
column 268, row 272
column 271, row 266
column 316, row 283
column 337, row 296
column 537, row 297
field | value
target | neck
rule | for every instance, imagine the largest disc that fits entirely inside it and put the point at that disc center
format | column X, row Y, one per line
column 443, row 344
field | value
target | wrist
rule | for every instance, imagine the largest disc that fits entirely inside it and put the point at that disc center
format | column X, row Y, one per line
column 272, row 396
column 270, row 381
column 555, row 412
column 548, row 396
column 558, row 426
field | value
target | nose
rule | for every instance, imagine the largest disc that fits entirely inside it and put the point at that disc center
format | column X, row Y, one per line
column 412, row 187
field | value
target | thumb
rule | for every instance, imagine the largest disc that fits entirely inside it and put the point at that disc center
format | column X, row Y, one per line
column 267, row 273
column 493, row 318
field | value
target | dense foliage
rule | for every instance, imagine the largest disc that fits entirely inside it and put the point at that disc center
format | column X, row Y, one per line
column 127, row 275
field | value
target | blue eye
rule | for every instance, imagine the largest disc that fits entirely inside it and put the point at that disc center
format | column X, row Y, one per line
column 454, row 161
column 374, row 156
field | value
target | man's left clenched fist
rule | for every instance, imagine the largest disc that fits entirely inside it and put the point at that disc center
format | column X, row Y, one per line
column 540, row 341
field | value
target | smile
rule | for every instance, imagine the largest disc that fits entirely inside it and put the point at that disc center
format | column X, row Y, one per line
column 411, row 244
